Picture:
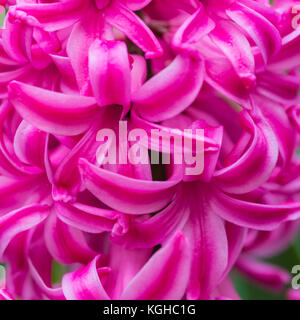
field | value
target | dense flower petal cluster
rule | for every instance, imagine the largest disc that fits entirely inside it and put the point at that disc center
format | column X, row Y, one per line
column 138, row 230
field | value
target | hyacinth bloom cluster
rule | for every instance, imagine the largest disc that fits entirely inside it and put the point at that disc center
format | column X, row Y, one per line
column 135, row 231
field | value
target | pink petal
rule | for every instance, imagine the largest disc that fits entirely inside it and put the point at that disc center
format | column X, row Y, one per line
column 164, row 276
column 87, row 30
column 281, row 125
column 131, row 261
column 110, row 73
column 40, row 264
column 87, row 218
column 5, row 295
column 66, row 244
column 236, row 238
column 253, row 215
column 138, row 72
column 293, row 294
column 289, row 55
column 135, row 29
column 135, row 4
column 85, row 284
column 29, row 144
column 227, row 291
column 53, row 112
column 262, row 32
column 192, row 31
column 281, row 88
column 264, row 273
column 207, row 236
column 126, row 194
column 170, row 91
column 20, row 220
column 253, row 166
column 16, row 192
column 237, row 49
column 52, row 16
column 145, row 234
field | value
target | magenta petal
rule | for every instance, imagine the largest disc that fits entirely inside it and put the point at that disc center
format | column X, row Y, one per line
column 145, row 234
column 5, row 295
column 7, row 76
column 40, row 264
column 64, row 66
column 206, row 233
column 211, row 140
column 293, row 294
column 16, row 39
column 53, row 112
column 192, row 31
column 53, row 16
column 170, row 91
column 269, row 243
column 29, row 144
column 10, row 164
column 20, row 220
column 226, row 290
column 14, row 193
column 131, row 261
column 85, row 283
column 283, row 88
column 263, row 32
column 66, row 244
column 135, row 4
column 66, row 179
column 51, row 293
column 86, row 31
column 289, row 55
column 169, row 9
column 267, row 274
column 109, row 72
column 136, row 30
column 279, row 120
column 236, row 238
column 138, row 72
column 256, row 163
column 164, row 276
column 253, row 215
column 221, row 75
column 237, row 49
column 126, row 194
column 87, row 218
